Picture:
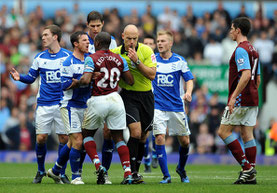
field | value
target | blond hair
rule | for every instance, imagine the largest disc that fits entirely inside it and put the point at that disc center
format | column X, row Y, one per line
column 166, row 32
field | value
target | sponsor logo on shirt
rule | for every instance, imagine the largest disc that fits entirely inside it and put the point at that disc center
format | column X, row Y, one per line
column 53, row 76
column 165, row 80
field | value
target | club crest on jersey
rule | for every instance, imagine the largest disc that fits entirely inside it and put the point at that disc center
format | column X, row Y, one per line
column 65, row 71
column 61, row 61
column 240, row 61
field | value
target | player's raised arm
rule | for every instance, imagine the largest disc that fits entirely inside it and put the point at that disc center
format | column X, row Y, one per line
column 148, row 72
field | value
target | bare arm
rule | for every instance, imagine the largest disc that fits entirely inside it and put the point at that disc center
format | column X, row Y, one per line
column 244, row 79
column 189, row 88
column 128, row 77
column 75, row 83
column 86, row 79
column 258, row 81
column 148, row 72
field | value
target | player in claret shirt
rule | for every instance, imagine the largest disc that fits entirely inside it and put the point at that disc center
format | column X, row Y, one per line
column 105, row 104
column 242, row 107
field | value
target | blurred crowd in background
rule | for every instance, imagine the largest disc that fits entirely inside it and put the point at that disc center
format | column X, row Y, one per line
column 201, row 40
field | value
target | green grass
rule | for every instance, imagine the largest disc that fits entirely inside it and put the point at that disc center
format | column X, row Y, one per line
column 204, row 178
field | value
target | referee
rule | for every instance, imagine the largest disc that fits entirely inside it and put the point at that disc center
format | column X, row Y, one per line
column 138, row 99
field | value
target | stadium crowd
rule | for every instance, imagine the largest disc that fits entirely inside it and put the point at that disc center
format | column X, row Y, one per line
column 202, row 41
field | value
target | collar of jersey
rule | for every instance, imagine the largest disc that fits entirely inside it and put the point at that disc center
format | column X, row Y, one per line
column 124, row 51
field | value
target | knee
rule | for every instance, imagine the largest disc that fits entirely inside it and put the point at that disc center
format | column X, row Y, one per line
column 107, row 133
column 185, row 141
column 135, row 134
column 160, row 139
column 41, row 138
column 63, row 139
column 78, row 144
column 221, row 133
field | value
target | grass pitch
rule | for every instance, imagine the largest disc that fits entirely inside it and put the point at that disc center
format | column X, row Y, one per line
column 17, row 178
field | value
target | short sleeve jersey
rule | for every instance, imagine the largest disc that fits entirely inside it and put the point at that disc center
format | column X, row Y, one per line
column 166, row 85
column 47, row 66
column 111, row 67
column 77, row 97
column 147, row 57
column 245, row 57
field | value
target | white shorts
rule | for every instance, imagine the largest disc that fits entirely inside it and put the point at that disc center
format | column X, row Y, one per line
column 72, row 118
column 176, row 122
column 107, row 109
column 246, row 116
column 47, row 118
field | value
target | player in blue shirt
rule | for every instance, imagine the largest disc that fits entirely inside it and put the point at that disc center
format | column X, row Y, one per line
column 46, row 66
column 95, row 23
column 73, row 105
column 169, row 106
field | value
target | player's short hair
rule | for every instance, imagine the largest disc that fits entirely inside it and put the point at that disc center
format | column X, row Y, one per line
column 149, row 36
column 104, row 38
column 166, row 32
column 95, row 15
column 55, row 30
column 76, row 36
column 243, row 23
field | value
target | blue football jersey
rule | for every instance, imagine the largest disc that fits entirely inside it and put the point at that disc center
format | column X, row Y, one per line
column 91, row 48
column 47, row 66
column 77, row 97
column 167, row 83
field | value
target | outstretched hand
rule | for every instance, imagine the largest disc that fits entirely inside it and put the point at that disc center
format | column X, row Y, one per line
column 15, row 75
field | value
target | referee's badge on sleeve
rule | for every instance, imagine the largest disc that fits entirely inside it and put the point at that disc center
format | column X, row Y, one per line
column 153, row 58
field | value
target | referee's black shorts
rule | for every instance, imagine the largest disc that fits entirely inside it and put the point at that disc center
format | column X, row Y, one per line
column 139, row 107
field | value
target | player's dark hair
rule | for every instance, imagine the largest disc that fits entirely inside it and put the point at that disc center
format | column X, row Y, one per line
column 76, row 36
column 95, row 15
column 104, row 40
column 149, row 36
column 243, row 23
column 55, row 30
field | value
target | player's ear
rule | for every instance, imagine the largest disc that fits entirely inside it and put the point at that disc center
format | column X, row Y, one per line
column 75, row 44
column 55, row 37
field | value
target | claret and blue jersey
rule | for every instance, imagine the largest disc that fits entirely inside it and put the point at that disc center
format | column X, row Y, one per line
column 167, row 82
column 245, row 57
column 47, row 66
column 77, row 97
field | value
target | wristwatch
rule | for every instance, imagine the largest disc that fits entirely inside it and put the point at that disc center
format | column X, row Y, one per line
column 138, row 62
